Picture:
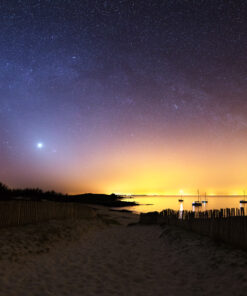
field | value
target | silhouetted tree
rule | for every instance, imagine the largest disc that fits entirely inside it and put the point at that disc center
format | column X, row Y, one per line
column 5, row 192
column 3, row 188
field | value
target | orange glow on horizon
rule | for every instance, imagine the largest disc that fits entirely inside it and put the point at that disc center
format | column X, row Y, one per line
column 158, row 167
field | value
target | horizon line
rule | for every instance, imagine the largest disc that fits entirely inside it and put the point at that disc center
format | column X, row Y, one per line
column 185, row 195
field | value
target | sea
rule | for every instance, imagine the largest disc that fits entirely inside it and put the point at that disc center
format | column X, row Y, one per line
column 159, row 203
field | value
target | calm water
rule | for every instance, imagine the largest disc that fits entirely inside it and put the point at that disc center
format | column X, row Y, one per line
column 159, row 203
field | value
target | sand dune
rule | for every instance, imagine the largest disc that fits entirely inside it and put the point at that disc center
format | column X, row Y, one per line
column 100, row 258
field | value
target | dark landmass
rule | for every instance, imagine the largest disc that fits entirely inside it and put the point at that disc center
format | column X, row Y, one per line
column 112, row 200
column 37, row 194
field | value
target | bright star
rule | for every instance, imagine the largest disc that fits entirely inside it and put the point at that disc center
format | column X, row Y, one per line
column 40, row 145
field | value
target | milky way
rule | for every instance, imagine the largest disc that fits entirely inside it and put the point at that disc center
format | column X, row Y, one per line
column 106, row 86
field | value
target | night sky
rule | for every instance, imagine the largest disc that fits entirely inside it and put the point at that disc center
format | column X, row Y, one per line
column 124, row 96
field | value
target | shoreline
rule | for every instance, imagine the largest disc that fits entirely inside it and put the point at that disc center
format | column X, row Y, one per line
column 100, row 255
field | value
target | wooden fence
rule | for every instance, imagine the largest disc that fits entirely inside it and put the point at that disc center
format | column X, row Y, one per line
column 227, row 225
column 13, row 213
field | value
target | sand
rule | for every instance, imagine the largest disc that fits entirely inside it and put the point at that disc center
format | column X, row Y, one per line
column 103, row 257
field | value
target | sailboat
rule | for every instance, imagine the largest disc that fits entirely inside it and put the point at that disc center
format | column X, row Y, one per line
column 243, row 201
column 197, row 203
column 205, row 200
column 181, row 199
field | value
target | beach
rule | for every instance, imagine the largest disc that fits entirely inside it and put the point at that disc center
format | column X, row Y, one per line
column 113, row 255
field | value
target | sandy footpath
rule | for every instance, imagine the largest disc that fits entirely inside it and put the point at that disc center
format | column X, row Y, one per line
column 103, row 257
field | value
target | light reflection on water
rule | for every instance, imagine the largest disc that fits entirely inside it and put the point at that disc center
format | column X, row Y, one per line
column 181, row 209
column 159, row 203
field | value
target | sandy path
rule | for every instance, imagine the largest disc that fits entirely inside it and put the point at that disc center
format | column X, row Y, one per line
column 137, row 260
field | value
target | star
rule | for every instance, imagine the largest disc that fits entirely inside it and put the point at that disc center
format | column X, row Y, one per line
column 40, row 145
